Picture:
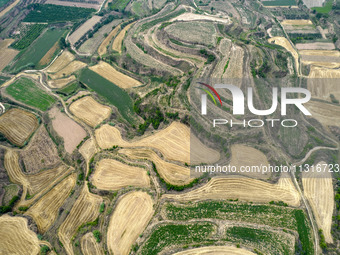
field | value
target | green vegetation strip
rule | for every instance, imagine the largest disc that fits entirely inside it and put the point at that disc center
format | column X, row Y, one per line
column 118, row 5
column 168, row 235
column 56, row 13
column 324, row 9
column 279, row 3
column 27, row 92
column 114, row 94
column 33, row 32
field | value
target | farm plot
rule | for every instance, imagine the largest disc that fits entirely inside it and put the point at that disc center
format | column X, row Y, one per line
column 83, row 29
column 216, row 250
column 326, row 114
column 318, row 189
column 41, row 153
column 102, row 50
column 62, row 61
column 85, row 209
column 90, row 111
column 37, row 50
column 88, row 149
column 322, row 58
column 222, row 65
column 315, row 46
column 244, row 189
column 71, row 3
column 114, row 76
column 278, row 3
column 189, row 16
column 173, row 142
column 28, row 34
column 18, row 125
column 117, row 43
column 92, row 44
column 242, row 155
column 8, row 8
column 49, row 55
column 6, row 54
column 302, row 26
column 45, row 211
column 234, row 66
column 112, row 93
column 171, row 173
column 89, row 245
column 71, row 132
column 27, row 92
column 131, row 216
column 113, row 175
column 200, row 32
column 16, row 238
column 68, row 70
column 60, row 83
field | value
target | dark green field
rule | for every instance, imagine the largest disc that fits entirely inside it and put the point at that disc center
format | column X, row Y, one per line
column 30, row 57
column 56, row 13
column 27, row 92
column 3, row 2
column 32, row 33
column 3, row 79
column 118, row 5
column 114, row 95
column 279, row 3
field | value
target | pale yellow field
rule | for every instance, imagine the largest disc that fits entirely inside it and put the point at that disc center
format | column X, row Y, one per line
column 18, row 125
column 326, row 114
column 318, row 189
column 117, row 43
column 6, row 54
column 111, row 174
column 188, row 16
column 282, row 41
column 62, row 61
column 216, row 250
column 88, row 149
column 242, row 155
column 68, row 70
column 116, row 77
column 173, row 142
column 90, row 111
column 297, row 22
column 131, row 216
column 322, row 72
column 45, row 211
column 59, row 83
column 84, row 28
column 89, row 245
column 244, row 189
column 171, row 173
column 102, row 50
column 85, row 209
column 329, row 53
column 16, row 238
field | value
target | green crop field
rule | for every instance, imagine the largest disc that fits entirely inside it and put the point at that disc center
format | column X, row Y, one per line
column 326, row 8
column 114, row 95
column 30, row 35
column 118, row 5
column 3, row 79
column 69, row 89
column 279, row 3
column 263, row 240
column 27, row 92
column 37, row 50
column 56, row 13
column 167, row 235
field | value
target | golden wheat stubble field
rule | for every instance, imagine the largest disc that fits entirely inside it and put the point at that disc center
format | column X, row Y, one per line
column 89, row 245
column 216, row 250
column 130, row 217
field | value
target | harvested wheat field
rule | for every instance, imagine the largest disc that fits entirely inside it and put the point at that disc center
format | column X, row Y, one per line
column 244, row 189
column 326, row 114
column 173, row 142
column 68, row 70
column 188, row 16
column 16, row 238
column 89, row 245
column 62, row 61
column 60, row 83
column 215, row 250
column 49, row 55
column 171, row 173
column 318, row 189
column 324, row 73
column 102, row 50
column 6, row 54
column 111, row 174
column 117, row 43
column 18, row 125
column 83, row 29
column 90, row 111
column 283, row 42
column 71, row 132
column 85, row 209
column 88, row 149
column 328, row 53
column 315, row 46
column 242, row 155
column 41, row 153
column 131, row 216
column 45, row 211
column 297, row 22
column 114, row 76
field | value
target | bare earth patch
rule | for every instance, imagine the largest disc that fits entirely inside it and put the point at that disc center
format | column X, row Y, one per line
column 315, row 46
